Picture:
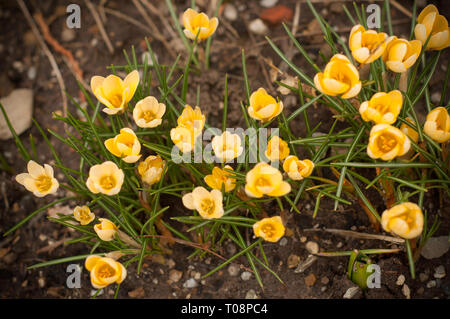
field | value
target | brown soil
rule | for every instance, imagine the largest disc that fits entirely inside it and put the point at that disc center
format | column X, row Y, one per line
column 39, row 240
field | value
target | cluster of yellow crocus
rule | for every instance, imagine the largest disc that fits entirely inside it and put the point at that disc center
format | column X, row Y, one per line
column 270, row 229
column 404, row 220
column 151, row 169
column 190, row 126
column 39, row 180
column 104, row 271
column 208, row 204
column 221, row 178
column 277, row 149
column 227, row 146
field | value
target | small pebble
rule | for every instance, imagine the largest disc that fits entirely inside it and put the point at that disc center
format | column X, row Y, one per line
column 155, row 281
column 312, row 247
column 436, row 97
column 353, row 228
column 230, row 12
column 197, row 276
column 351, row 292
column 323, row 289
column 420, row 291
column 31, row 73
column 406, row 291
column 293, row 261
column 170, row 263
column 190, row 283
column 68, row 35
column 431, row 284
column 325, row 280
column 283, row 241
column 268, row 3
column 339, row 245
column 246, row 275
column 303, row 239
column 233, row 270
column 251, row 294
column 439, row 272
column 231, row 249
column 423, row 277
column 257, row 26
column 175, row 275
column 310, row 280
column 400, row 280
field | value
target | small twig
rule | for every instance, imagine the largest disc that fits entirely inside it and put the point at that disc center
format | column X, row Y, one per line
column 122, row 16
column 47, row 52
column 99, row 23
column 155, row 32
column 349, row 233
column 401, row 8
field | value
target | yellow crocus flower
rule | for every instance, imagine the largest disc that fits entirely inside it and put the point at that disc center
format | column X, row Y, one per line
column 220, row 177
column 39, row 180
column 437, row 125
column 297, row 169
column 113, row 92
column 431, row 22
column 387, row 142
column 208, row 204
column 401, row 54
column 104, row 271
column 263, row 106
column 83, row 215
column 151, row 169
column 264, row 179
column 382, row 108
column 227, row 146
column 198, row 25
column 404, row 220
column 277, row 149
column 148, row 112
column 105, row 178
column 340, row 77
column 106, row 230
column 366, row 46
column 125, row 145
column 270, row 229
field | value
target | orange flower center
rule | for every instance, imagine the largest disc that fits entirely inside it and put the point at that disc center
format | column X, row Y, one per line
column 43, row 183
column 263, row 182
column 107, row 182
column 386, row 142
column 208, row 206
column 84, row 214
column 148, row 116
column 382, row 108
column 106, row 271
column 268, row 230
column 116, row 100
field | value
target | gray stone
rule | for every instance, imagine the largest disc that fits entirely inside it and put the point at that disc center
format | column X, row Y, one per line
column 268, row 3
column 435, row 247
column 233, row 270
column 400, row 280
column 283, row 241
column 439, row 272
column 312, row 247
column 230, row 12
column 246, row 275
column 351, row 292
column 431, row 284
column 251, row 294
column 19, row 108
column 257, row 26
column 190, row 283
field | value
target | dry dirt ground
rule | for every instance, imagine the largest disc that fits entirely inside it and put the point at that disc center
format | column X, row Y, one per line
column 41, row 240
